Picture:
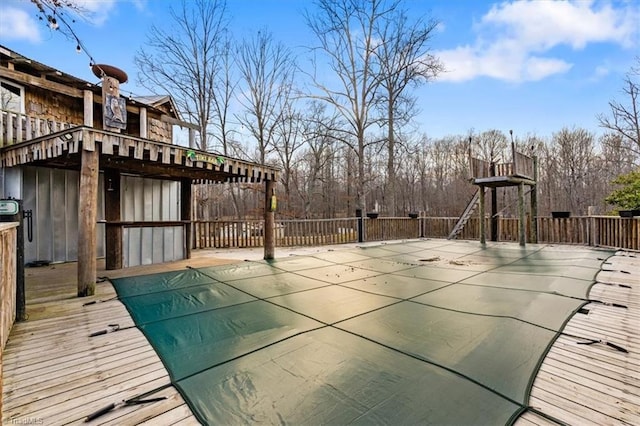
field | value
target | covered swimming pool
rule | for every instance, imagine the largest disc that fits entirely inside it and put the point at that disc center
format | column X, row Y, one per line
column 426, row 331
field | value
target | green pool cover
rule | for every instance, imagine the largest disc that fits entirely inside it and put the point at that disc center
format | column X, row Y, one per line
column 429, row 332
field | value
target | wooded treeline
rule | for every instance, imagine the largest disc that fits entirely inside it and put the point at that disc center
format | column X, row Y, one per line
column 338, row 117
column 575, row 172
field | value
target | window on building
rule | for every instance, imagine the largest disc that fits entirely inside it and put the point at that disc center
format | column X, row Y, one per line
column 11, row 97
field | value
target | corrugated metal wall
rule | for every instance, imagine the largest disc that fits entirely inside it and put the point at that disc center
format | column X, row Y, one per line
column 151, row 200
column 52, row 195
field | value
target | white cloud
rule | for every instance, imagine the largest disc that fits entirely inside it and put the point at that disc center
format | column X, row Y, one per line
column 513, row 37
column 16, row 24
column 97, row 12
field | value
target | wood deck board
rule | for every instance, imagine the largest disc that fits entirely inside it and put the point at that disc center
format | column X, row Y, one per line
column 596, row 384
column 54, row 370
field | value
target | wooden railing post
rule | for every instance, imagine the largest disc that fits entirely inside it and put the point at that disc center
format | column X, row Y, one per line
column 269, row 220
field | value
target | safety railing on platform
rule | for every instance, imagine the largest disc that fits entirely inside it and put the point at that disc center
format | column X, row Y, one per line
column 16, row 127
column 602, row 231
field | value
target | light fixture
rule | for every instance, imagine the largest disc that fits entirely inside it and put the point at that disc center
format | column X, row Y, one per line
column 67, row 137
column 110, row 187
column 53, row 24
column 78, row 49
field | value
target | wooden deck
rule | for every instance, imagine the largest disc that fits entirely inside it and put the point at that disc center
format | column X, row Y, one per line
column 596, row 384
column 54, row 373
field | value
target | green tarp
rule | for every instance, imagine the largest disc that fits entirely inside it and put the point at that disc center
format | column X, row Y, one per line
column 429, row 332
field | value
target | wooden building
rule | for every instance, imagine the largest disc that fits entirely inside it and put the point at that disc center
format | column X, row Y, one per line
column 100, row 171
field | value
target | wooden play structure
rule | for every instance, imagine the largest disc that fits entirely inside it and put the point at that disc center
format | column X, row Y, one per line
column 521, row 171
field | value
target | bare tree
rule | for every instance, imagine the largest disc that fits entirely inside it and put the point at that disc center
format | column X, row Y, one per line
column 625, row 119
column 346, row 32
column 267, row 69
column 492, row 146
column 404, row 60
column 572, row 163
column 289, row 133
column 186, row 60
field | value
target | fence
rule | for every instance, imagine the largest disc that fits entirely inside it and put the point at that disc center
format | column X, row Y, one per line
column 603, row 231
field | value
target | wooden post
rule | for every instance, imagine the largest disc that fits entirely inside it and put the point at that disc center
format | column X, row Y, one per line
column 494, row 204
column 87, row 216
column 269, row 221
column 192, row 138
column 534, row 202
column 483, row 238
column 112, row 212
column 521, row 223
column 143, row 123
column 88, row 108
column 185, row 213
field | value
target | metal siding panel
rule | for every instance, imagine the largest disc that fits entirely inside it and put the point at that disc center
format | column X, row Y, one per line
column 146, row 246
column 158, row 245
column 157, row 202
column 125, row 248
column 29, row 203
column 178, row 248
column 43, row 217
column 58, row 215
column 147, row 199
column 167, row 244
column 175, row 201
column 128, row 198
column 165, row 213
column 138, row 196
column 71, row 213
column 134, row 247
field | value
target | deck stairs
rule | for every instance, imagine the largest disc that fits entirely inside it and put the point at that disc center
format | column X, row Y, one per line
column 468, row 211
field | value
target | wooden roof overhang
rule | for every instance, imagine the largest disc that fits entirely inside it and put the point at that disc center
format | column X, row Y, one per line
column 134, row 155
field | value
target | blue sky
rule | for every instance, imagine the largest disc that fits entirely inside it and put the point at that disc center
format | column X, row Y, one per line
column 530, row 66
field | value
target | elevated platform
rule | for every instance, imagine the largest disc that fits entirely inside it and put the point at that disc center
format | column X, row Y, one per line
column 520, row 172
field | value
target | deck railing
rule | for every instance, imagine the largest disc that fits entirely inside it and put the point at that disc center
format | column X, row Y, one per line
column 16, row 127
column 521, row 165
column 8, row 240
column 8, row 282
column 601, row 231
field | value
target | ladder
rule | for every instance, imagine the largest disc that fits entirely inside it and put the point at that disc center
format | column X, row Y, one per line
column 468, row 211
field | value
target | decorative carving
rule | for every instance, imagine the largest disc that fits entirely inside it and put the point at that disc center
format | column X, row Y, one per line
column 115, row 112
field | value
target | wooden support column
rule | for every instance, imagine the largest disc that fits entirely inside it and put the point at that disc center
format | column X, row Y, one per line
column 534, row 203
column 143, row 123
column 185, row 214
column 483, row 238
column 112, row 213
column 192, row 138
column 88, row 108
column 494, row 204
column 521, row 222
column 269, row 221
column 87, row 217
